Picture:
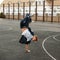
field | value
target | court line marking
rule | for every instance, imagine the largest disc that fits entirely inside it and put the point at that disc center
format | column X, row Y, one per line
column 54, row 37
column 45, row 49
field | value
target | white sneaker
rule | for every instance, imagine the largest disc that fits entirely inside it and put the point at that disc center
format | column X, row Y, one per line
column 28, row 51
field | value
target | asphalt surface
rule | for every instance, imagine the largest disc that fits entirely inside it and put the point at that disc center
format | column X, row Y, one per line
column 46, row 48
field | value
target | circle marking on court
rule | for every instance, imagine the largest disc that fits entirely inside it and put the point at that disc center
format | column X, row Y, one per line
column 46, row 49
column 54, row 37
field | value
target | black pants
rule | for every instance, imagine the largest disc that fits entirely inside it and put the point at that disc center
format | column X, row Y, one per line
column 23, row 40
column 30, row 31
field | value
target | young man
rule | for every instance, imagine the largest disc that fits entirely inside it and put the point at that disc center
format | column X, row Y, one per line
column 27, row 34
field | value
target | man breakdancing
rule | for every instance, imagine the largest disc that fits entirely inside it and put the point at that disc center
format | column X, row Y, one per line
column 27, row 34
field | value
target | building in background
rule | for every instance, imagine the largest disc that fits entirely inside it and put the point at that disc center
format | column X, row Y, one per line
column 39, row 8
column 11, row 7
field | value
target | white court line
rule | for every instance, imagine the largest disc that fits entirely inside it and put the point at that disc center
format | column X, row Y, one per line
column 55, row 38
column 45, row 49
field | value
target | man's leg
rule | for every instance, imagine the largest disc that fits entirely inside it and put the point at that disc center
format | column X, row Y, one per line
column 27, row 48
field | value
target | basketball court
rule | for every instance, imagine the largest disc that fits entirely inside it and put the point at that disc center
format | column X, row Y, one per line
column 47, row 47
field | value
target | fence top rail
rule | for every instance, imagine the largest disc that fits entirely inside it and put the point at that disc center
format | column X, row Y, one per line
column 26, row 2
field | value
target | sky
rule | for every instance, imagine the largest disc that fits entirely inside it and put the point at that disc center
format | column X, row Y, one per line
column 1, row 1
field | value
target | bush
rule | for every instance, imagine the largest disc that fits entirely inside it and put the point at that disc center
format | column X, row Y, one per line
column 2, row 15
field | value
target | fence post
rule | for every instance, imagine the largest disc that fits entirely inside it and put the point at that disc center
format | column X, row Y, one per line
column 3, row 8
column 23, row 9
column 36, row 12
column 13, row 10
column 29, row 7
column 52, row 11
column 46, row 17
column 18, row 11
column 8, row 11
column 58, row 17
column 43, row 10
